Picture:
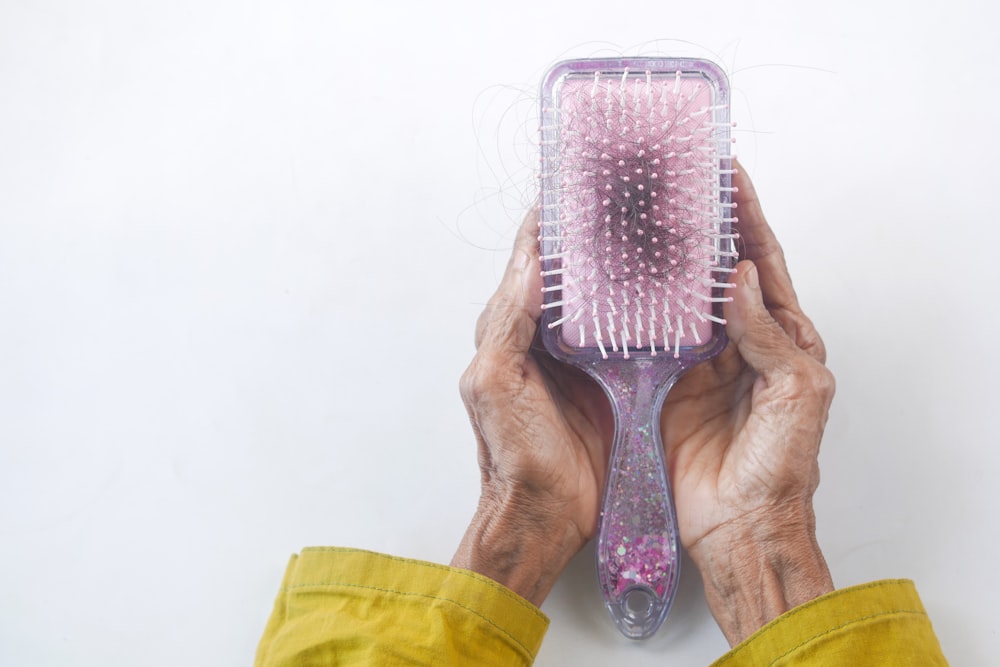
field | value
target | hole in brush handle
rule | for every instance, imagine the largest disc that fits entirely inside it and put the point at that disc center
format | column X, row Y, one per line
column 637, row 550
column 636, row 245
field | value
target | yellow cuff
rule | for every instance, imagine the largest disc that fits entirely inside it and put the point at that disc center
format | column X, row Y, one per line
column 881, row 623
column 360, row 606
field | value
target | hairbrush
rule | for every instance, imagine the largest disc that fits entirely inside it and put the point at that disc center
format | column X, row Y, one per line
column 636, row 243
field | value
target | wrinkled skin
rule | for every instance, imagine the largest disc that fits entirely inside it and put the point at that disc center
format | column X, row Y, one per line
column 741, row 432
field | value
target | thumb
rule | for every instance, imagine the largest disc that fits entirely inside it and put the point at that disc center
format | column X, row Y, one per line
column 760, row 339
column 507, row 324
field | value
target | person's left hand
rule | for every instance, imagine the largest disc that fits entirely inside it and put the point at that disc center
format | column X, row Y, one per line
column 542, row 429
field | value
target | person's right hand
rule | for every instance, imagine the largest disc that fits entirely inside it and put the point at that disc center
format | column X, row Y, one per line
column 541, row 428
column 742, row 434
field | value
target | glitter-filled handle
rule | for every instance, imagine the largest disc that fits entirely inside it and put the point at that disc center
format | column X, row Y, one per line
column 637, row 549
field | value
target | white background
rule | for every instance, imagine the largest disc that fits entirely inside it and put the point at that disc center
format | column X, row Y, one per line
column 243, row 246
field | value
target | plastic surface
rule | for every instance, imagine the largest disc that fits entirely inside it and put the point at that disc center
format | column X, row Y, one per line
column 636, row 246
column 638, row 562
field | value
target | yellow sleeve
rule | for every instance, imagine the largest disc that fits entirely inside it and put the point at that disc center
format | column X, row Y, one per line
column 881, row 623
column 351, row 607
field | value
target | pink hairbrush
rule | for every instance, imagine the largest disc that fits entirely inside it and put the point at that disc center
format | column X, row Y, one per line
column 636, row 245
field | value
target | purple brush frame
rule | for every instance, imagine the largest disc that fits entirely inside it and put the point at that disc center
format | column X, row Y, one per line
column 638, row 549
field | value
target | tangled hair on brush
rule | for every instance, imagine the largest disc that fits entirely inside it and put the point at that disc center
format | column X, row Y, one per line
column 636, row 172
column 642, row 195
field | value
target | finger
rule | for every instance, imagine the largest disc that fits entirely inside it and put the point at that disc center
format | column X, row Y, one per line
column 761, row 340
column 508, row 322
column 761, row 245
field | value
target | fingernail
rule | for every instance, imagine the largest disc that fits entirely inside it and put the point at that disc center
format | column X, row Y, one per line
column 753, row 280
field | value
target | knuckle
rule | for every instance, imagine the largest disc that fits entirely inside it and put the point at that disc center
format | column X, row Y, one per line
column 815, row 379
column 809, row 340
column 494, row 325
column 469, row 384
column 481, row 325
column 827, row 384
column 817, row 348
column 479, row 382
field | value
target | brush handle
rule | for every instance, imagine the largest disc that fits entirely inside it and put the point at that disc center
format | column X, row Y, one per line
column 637, row 549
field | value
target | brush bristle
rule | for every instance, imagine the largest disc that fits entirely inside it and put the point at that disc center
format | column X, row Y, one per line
column 634, row 252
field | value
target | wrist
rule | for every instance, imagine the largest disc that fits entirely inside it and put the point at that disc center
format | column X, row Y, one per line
column 758, row 567
column 517, row 544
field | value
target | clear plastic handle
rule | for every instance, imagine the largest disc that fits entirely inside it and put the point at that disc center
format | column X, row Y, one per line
column 637, row 549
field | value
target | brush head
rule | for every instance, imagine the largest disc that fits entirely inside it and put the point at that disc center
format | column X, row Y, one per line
column 636, row 238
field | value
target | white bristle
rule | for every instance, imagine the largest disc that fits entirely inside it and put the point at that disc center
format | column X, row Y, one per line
column 553, row 325
column 600, row 343
column 633, row 228
column 694, row 332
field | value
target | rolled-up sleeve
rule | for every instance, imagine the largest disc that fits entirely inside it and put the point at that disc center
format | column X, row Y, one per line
column 350, row 607
column 881, row 623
